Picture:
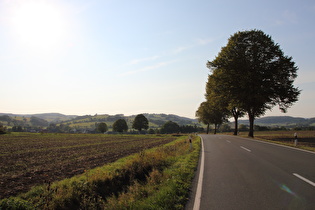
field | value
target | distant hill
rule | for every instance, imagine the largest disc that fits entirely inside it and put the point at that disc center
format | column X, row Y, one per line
column 50, row 117
column 55, row 117
column 155, row 120
column 88, row 121
column 286, row 121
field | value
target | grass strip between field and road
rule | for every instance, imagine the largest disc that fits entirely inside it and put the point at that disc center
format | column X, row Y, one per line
column 158, row 178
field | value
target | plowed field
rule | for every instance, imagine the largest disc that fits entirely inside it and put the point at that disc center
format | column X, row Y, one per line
column 31, row 159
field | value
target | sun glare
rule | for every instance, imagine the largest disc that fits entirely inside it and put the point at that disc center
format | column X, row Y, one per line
column 37, row 24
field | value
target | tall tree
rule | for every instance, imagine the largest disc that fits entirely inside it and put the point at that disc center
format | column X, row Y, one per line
column 203, row 115
column 140, row 122
column 170, row 127
column 216, row 86
column 102, row 127
column 256, row 74
column 210, row 112
column 120, row 126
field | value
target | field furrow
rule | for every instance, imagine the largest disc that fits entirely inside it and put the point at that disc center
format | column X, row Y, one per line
column 27, row 160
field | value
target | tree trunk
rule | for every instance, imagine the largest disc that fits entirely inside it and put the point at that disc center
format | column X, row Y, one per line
column 236, row 125
column 215, row 129
column 235, row 115
column 251, row 125
column 208, row 126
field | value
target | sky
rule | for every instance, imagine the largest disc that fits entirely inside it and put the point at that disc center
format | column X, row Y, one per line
column 129, row 57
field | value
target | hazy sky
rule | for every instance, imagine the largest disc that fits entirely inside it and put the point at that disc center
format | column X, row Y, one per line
column 137, row 56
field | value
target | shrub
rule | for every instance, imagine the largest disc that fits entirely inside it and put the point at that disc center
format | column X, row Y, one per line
column 14, row 203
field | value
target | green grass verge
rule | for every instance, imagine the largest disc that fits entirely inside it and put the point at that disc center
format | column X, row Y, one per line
column 159, row 178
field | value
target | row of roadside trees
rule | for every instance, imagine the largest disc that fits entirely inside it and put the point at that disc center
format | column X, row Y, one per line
column 250, row 75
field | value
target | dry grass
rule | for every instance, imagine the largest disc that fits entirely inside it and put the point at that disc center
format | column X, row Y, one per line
column 306, row 139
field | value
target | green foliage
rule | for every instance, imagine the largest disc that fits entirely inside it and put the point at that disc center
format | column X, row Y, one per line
column 102, row 127
column 190, row 129
column 5, row 118
column 243, row 127
column 164, row 189
column 225, row 128
column 151, row 131
column 38, row 121
column 17, row 128
column 255, row 75
column 2, row 129
column 140, row 122
column 170, row 127
column 211, row 112
column 14, row 203
column 120, row 126
column 216, row 108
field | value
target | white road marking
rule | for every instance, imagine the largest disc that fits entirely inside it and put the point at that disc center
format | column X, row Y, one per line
column 228, row 141
column 200, row 179
column 279, row 145
column 304, row 179
column 248, row 150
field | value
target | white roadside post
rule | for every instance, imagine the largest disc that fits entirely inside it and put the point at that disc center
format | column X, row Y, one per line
column 295, row 139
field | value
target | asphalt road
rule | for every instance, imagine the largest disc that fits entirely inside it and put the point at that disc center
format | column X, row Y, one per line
column 240, row 173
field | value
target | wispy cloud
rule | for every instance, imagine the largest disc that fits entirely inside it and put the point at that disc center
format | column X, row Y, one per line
column 140, row 60
column 287, row 17
column 204, row 41
column 181, row 49
column 196, row 43
column 147, row 68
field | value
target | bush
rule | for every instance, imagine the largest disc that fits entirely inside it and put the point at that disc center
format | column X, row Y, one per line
column 170, row 127
column 2, row 129
column 14, row 203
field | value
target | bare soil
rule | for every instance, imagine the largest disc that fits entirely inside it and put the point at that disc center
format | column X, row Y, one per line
column 27, row 160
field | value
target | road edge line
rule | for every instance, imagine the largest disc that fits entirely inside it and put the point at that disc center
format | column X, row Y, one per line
column 285, row 146
column 200, row 179
column 280, row 145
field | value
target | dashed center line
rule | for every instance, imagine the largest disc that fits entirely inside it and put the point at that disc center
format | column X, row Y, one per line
column 248, row 150
column 228, row 141
column 304, row 179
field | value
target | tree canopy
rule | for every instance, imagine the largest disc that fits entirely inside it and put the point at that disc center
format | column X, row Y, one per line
column 120, row 126
column 210, row 112
column 224, row 101
column 254, row 75
column 102, row 127
column 170, row 127
column 140, row 122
